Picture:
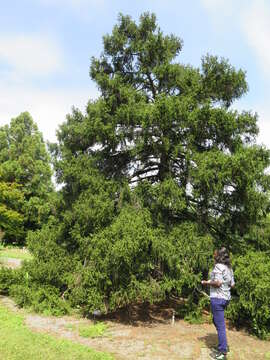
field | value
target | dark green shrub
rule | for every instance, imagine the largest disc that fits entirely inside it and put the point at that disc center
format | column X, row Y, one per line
column 251, row 304
column 43, row 280
column 6, row 279
column 32, row 294
column 132, row 261
column 51, row 264
column 40, row 282
column 43, row 299
column 192, row 311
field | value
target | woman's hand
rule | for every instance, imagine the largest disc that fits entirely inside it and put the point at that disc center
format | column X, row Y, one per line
column 205, row 282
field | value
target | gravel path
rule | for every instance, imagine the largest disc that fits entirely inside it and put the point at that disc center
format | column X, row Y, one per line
column 11, row 262
column 149, row 341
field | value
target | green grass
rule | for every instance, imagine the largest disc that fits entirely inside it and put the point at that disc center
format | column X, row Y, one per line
column 17, row 342
column 14, row 253
column 93, row 331
column 90, row 331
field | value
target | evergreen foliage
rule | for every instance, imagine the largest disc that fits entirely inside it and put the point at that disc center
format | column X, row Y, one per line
column 251, row 303
column 157, row 172
column 25, row 161
column 11, row 199
column 164, row 124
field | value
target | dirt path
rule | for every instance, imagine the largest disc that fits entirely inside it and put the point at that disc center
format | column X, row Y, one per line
column 11, row 262
column 150, row 340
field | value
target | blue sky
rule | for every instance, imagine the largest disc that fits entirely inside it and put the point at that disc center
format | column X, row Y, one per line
column 46, row 46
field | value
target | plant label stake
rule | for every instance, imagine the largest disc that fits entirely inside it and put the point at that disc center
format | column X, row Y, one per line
column 173, row 317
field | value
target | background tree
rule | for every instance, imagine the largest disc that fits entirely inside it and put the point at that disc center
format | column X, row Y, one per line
column 25, row 161
column 11, row 220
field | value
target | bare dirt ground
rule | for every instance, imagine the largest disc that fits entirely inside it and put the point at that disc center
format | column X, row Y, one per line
column 147, row 333
column 11, row 262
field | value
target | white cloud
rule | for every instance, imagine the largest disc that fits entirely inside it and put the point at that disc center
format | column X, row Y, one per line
column 48, row 108
column 255, row 24
column 27, row 57
column 264, row 125
column 30, row 55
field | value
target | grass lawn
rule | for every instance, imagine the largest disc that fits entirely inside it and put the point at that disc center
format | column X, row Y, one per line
column 14, row 253
column 90, row 331
column 17, row 342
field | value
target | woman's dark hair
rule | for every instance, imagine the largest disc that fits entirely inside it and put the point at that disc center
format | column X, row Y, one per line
column 223, row 257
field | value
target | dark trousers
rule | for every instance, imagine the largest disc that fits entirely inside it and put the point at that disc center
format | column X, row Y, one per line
column 217, row 307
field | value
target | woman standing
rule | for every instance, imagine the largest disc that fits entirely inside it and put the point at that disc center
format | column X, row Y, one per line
column 221, row 281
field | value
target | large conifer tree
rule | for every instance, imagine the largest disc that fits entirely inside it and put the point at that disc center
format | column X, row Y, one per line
column 158, row 171
column 170, row 126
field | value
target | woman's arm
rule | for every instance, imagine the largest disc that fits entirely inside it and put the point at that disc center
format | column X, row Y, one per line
column 214, row 283
column 216, row 277
column 232, row 280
